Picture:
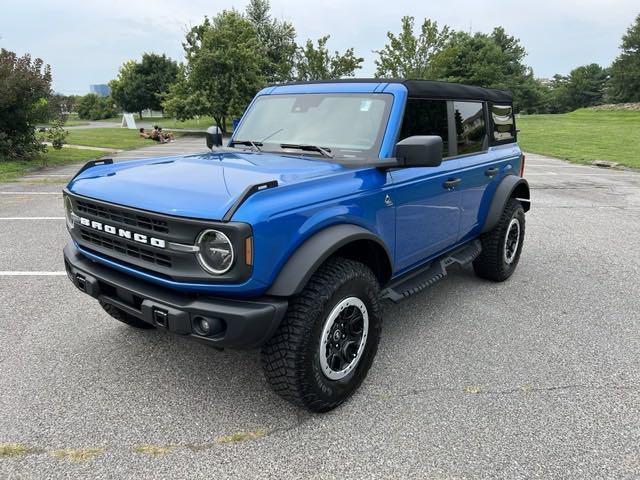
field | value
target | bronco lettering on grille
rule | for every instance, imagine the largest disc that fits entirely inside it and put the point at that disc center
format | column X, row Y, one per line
column 120, row 232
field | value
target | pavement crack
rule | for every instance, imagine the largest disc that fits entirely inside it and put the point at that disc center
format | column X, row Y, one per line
column 521, row 389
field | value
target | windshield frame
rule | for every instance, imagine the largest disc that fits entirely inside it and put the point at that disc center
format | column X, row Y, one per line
column 339, row 154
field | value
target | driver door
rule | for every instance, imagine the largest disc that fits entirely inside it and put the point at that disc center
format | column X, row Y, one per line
column 427, row 199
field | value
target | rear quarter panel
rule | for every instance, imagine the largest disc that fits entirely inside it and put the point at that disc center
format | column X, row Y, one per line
column 477, row 194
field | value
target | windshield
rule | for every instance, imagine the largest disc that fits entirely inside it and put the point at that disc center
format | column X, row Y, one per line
column 346, row 125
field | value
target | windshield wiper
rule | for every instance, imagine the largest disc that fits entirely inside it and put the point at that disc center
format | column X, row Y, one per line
column 249, row 143
column 314, row 148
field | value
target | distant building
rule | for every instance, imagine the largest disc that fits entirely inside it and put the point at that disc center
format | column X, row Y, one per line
column 101, row 90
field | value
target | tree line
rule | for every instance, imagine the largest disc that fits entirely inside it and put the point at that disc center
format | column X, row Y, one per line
column 232, row 55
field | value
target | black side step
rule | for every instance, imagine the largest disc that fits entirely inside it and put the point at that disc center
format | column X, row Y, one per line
column 436, row 270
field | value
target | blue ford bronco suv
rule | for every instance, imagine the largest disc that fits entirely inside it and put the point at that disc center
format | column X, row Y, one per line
column 329, row 198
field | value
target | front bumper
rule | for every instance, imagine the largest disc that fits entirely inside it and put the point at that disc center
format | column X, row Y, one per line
column 247, row 323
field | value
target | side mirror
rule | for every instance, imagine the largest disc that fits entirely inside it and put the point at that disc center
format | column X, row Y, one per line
column 420, row 151
column 214, row 137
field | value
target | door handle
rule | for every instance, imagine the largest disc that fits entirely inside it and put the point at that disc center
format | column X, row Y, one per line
column 452, row 182
column 490, row 172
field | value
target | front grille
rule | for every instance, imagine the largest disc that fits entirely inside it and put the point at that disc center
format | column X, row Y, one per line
column 162, row 262
column 120, row 216
column 124, row 248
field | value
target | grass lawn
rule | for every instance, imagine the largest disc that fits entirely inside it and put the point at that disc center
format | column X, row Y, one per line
column 201, row 123
column 121, row 138
column 12, row 170
column 72, row 121
column 584, row 135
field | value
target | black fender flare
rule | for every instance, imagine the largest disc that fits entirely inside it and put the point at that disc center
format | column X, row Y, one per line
column 510, row 186
column 313, row 252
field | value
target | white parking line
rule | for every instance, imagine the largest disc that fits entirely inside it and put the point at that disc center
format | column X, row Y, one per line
column 31, row 193
column 52, row 175
column 36, row 274
column 31, row 218
column 574, row 174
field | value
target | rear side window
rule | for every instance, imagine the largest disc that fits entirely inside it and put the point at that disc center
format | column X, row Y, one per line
column 426, row 117
column 471, row 131
column 503, row 125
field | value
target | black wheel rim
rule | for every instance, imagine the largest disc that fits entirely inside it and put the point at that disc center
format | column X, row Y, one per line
column 512, row 241
column 343, row 338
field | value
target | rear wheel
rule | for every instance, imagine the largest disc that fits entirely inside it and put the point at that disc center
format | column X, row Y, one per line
column 502, row 246
column 326, row 343
column 124, row 317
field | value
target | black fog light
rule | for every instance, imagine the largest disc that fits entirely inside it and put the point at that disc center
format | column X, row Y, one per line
column 206, row 327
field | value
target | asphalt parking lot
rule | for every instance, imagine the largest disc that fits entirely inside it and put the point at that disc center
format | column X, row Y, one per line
column 537, row 377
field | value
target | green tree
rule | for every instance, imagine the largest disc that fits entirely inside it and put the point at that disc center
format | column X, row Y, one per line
column 61, row 106
column 624, row 85
column 93, row 107
column 587, row 85
column 489, row 60
column 408, row 55
column 25, row 89
column 316, row 63
column 556, row 95
column 583, row 87
column 223, row 69
column 276, row 40
column 141, row 85
column 127, row 91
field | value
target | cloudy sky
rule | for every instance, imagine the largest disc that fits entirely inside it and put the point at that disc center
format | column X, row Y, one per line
column 86, row 41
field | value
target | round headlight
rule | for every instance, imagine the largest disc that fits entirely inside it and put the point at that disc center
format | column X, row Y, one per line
column 68, row 211
column 216, row 252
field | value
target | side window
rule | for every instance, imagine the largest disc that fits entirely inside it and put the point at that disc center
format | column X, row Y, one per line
column 471, row 131
column 426, row 117
column 503, row 126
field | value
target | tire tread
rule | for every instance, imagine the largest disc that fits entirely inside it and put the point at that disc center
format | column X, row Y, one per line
column 489, row 264
column 283, row 357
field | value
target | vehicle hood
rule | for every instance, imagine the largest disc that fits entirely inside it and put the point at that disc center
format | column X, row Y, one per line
column 196, row 186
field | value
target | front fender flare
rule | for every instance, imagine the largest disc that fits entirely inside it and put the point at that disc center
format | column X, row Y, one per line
column 511, row 185
column 313, row 252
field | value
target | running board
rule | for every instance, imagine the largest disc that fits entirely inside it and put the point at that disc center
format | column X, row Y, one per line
column 436, row 270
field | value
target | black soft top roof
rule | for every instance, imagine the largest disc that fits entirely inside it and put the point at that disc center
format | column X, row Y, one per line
column 432, row 89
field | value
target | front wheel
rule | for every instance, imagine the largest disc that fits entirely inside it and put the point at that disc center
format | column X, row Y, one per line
column 502, row 246
column 326, row 343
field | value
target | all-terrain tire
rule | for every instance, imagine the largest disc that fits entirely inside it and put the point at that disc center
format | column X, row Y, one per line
column 291, row 358
column 124, row 317
column 497, row 261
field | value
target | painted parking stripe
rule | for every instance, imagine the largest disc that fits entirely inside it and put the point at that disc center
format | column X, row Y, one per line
column 31, row 218
column 35, row 274
column 51, row 175
column 574, row 174
column 31, row 193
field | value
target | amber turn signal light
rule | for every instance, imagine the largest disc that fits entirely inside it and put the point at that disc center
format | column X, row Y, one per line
column 248, row 250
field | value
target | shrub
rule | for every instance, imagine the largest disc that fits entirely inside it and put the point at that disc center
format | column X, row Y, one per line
column 24, row 98
column 57, row 135
column 93, row 107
